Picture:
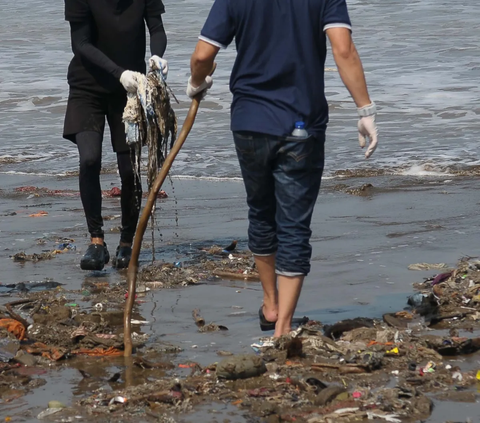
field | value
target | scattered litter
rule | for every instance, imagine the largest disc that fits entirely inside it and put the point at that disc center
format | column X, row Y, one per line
column 39, row 214
column 139, row 322
column 14, row 327
column 427, row 266
column 56, row 404
column 429, row 368
column 119, row 400
column 66, row 246
column 48, row 412
column 457, row 376
column 391, row 418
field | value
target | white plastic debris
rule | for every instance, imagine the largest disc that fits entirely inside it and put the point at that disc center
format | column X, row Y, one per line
column 392, row 418
column 48, row 412
column 346, row 410
column 120, row 400
column 457, row 376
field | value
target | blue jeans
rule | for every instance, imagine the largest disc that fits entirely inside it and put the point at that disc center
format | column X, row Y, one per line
column 282, row 180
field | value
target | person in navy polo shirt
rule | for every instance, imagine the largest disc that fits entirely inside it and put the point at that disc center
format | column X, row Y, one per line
column 279, row 115
column 108, row 42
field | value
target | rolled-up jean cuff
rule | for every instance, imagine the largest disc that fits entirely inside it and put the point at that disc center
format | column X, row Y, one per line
column 289, row 274
column 264, row 254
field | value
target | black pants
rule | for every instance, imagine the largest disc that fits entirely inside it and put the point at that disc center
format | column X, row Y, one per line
column 90, row 148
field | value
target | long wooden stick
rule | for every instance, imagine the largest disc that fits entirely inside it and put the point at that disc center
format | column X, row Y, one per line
column 142, row 224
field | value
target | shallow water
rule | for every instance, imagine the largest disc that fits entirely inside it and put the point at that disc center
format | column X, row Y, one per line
column 421, row 61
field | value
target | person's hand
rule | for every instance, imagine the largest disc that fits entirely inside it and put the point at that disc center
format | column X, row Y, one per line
column 157, row 63
column 202, row 88
column 367, row 128
column 129, row 81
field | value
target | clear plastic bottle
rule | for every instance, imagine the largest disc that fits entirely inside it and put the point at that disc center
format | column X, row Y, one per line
column 300, row 131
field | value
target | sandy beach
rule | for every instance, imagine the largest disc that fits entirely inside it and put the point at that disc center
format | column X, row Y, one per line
column 362, row 246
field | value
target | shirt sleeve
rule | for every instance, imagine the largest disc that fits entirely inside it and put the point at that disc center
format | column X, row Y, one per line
column 336, row 15
column 82, row 46
column 158, row 37
column 219, row 29
column 76, row 10
column 154, row 7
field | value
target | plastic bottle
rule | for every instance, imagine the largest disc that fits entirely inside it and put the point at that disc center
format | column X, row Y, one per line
column 300, row 131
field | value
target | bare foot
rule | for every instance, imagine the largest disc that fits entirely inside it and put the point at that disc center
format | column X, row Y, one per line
column 282, row 328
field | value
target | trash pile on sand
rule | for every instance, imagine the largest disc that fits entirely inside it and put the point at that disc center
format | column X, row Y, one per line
column 209, row 264
column 37, row 192
column 385, row 369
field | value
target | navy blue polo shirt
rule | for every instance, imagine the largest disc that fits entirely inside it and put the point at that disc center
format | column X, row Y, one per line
column 278, row 76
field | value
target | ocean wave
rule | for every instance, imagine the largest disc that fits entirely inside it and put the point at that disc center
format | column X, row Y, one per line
column 418, row 170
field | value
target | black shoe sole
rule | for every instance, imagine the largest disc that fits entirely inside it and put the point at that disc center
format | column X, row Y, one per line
column 99, row 266
column 90, row 266
column 265, row 325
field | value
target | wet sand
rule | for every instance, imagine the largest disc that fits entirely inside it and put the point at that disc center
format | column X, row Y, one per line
column 362, row 245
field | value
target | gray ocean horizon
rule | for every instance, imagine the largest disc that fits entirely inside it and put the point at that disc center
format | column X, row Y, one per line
column 420, row 61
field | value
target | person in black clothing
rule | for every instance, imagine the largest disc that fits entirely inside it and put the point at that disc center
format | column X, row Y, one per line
column 108, row 41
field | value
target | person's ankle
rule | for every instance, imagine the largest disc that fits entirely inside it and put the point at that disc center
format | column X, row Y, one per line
column 282, row 328
column 97, row 240
column 125, row 244
column 270, row 310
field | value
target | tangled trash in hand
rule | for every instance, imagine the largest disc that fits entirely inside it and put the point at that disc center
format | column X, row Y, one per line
column 150, row 120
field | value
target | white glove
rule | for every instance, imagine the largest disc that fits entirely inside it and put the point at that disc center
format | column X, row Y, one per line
column 129, row 81
column 204, row 86
column 157, row 63
column 367, row 128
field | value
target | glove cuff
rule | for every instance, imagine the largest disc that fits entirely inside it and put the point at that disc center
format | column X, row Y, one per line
column 368, row 110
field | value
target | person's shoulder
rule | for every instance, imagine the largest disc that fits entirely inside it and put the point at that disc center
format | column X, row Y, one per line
column 153, row 7
column 76, row 10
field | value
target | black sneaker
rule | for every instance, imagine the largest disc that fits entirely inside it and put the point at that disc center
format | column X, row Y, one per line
column 95, row 258
column 122, row 257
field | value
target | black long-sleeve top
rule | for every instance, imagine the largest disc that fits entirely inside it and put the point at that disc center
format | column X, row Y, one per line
column 109, row 37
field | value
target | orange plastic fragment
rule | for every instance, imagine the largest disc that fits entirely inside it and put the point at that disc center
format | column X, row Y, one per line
column 14, row 327
column 187, row 366
column 39, row 214
column 98, row 352
column 51, row 353
column 237, row 402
